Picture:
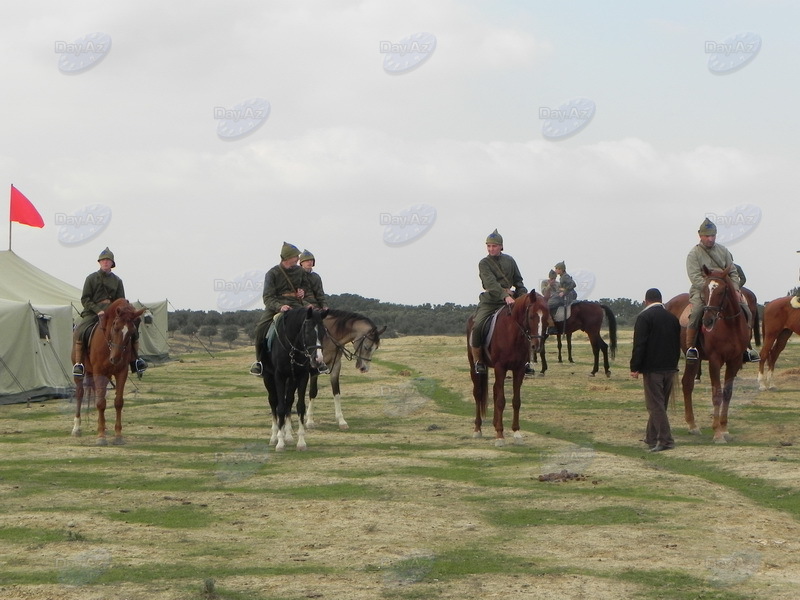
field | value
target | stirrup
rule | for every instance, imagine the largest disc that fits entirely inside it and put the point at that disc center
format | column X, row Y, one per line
column 752, row 356
column 78, row 370
column 256, row 369
column 140, row 366
column 480, row 368
column 553, row 330
column 529, row 369
column 691, row 354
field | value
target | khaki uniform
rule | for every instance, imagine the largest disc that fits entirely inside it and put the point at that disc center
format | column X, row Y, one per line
column 500, row 278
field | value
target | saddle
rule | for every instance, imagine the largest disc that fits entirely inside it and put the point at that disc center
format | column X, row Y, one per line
column 487, row 328
column 272, row 333
column 684, row 318
column 559, row 316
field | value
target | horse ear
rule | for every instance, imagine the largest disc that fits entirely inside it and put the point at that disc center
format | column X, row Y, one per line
column 309, row 312
column 705, row 270
column 380, row 331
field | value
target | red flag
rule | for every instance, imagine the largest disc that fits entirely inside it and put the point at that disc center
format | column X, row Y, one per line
column 22, row 211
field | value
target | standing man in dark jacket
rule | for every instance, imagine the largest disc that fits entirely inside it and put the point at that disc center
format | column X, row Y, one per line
column 656, row 348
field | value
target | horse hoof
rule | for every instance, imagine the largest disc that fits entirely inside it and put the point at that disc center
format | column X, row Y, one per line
column 102, row 442
column 720, row 440
column 591, row 374
column 476, row 435
column 343, row 427
column 302, row 448
column 76, row 433
column 499, row 443
column 119, row 441
column 608, row 374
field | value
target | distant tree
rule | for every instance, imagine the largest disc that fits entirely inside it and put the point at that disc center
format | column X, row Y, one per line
column 229, row 334
column 208, row 331
column 189, row 329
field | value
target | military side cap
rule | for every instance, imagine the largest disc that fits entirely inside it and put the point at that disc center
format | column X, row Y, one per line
column 707, row 228
column 289, row 251
column 494, row 238
column 107, row 254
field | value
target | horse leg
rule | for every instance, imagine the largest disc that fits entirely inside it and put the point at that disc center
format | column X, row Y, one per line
column 337, row 395
column 727, row 394
column 516, row 403
column 301, row 414
column 499, row 406
column 594, row 341
column 480, row 390
column 119, row 402
column 687, row 383
column 569, row 348
column 100, row 384
column 76, row 423
column 604, row 350
column 312, row 393
column 543, row 360
column 777, row 348
column 280, row 410
column 558, row 343
column 717, row 395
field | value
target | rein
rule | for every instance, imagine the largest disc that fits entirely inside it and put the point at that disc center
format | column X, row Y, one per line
column 305, row 351
column 717, row 310
column 358, row 343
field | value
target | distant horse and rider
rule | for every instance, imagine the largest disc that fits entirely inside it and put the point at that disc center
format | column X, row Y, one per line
column 781, row 319
column 290, row 356
column 512, row 334
column 110, row 350
column 724, row 337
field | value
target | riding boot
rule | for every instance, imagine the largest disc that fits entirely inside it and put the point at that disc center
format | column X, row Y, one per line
column 551, row 326
column 138, row 366
column 257, row 368
column 477, row 357
column 691, row 337
column 77, row 358
column 750, row 355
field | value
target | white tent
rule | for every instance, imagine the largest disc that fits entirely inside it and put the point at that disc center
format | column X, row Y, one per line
column 22, row 282
column 35, row 351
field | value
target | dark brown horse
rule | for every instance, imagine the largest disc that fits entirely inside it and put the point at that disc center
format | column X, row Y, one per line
column 781, row 319
column 107, row 358
column 724, row 336
column 586, row 316
column 343, row 329
column 517, row 331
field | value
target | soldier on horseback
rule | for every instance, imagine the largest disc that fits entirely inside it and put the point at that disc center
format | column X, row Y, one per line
column 713, row 256
column 502, row 284
column 563, row 296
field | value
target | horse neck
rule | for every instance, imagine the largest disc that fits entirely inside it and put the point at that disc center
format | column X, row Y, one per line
column 730, row 301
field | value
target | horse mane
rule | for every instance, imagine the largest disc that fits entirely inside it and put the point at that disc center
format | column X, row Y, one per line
column 342, row 320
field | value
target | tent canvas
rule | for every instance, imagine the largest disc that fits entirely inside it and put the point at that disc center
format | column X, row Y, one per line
column 24, row 282
column 35, row 352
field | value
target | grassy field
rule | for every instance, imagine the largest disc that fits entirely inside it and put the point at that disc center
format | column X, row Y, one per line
column 405, row 504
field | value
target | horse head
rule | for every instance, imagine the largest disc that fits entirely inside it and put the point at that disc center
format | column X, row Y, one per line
column 122, row 321
column 719, row 295
column 532, row 314
column 313, row 332
column 365, row 345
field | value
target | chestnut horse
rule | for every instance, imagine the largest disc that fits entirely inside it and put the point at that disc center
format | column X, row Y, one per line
column 781, row 319
column 342, row 328
column 518, row 331
column 586, row 316
column 107, row 357
column 724, row 336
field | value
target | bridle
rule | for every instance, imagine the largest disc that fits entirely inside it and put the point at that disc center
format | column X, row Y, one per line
column 716, row 311
column 526, row 331
column 298, row 347
column 358, row 345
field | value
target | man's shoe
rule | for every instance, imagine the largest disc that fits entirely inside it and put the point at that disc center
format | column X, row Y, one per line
column 751, row 355
column 77, row 370
column 480, row 368
column 660, row 448
column 691, row 354
column 256, row 369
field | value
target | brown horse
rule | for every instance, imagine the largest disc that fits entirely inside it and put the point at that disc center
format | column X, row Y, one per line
column 107, row 357
column 586, row 316
column 781, row 319
column 724, row 336
column 517, row 331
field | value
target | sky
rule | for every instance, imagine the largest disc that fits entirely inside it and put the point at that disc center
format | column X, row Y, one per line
column 390, row 139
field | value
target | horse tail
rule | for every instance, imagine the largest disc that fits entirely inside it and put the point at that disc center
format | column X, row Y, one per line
column 612, row 330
